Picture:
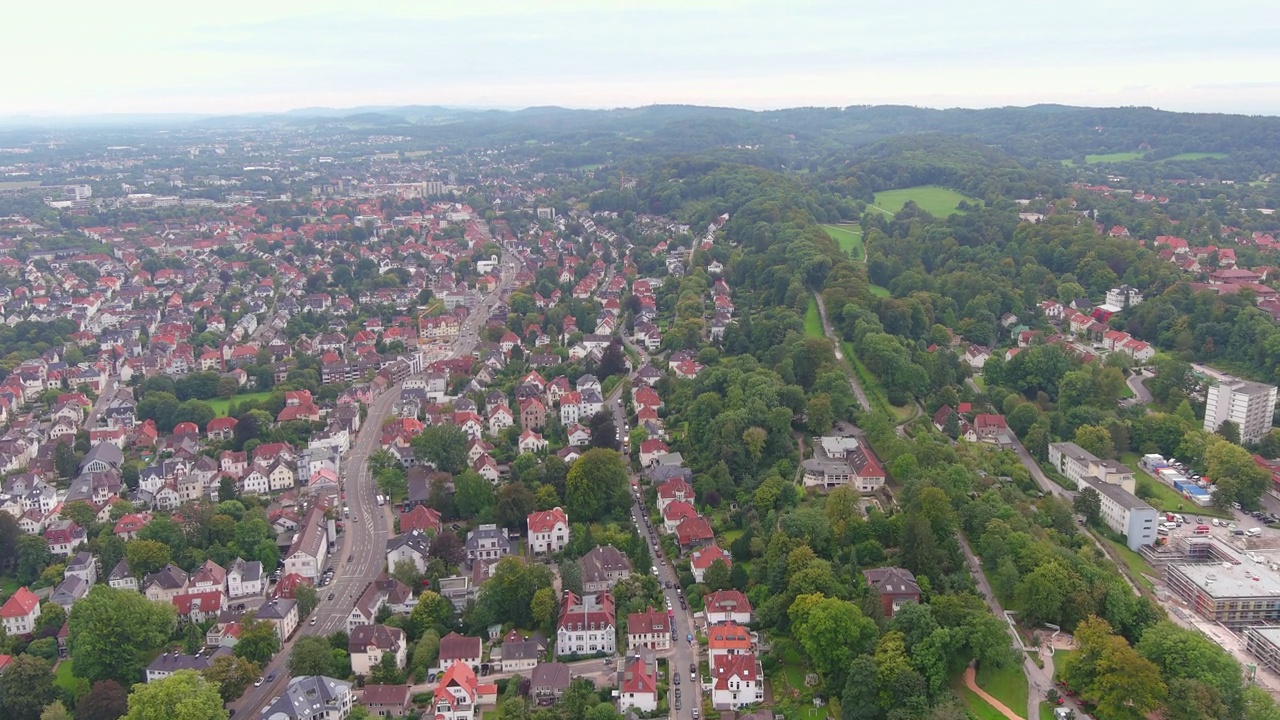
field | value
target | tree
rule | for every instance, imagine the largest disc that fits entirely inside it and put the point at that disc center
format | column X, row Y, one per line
column 1229, row 431
column 597, row 485
column 233, row 675
column 1043, row 593
column 473, row 495
column 860, row 699
column 184, row 695
column 26, row 687
column 111, row 632
column 146, row 556
column 386, row 672
column 543, row 608
column 258, row 641
column 1095, row 439
column 716, row 577
column 308, row 598
column 508, row 594
column 52, row 616
column 448, row 547
column 311, row 655
column 106, row 700
column 55, row 711
column 832, row 632
column 819, row 416
column 515, row 502
column 1089, row 504
column 1182, row 654
column 444, row 446
column 65, row 461
column 432, row 612
column 1238, row 478
column 33, row 558
column 424, row 653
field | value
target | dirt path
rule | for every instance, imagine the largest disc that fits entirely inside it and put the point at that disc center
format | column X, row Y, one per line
column 971, row 682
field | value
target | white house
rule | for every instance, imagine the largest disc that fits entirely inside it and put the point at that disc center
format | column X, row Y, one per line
column 736, row 680
column 587, row 625
column 638, row 685
column 244, row 579
column 548, row 531
column 412, row 547
column 311, row 697
column 368, row 643
column 19, row 613
column 727, row 606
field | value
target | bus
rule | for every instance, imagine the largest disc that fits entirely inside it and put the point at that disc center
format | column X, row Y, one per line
column 381, row 501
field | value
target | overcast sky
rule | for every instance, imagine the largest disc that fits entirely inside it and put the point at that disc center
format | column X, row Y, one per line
column 226, row 56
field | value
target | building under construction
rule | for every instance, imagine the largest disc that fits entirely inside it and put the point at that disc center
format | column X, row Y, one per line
column 1221, row 586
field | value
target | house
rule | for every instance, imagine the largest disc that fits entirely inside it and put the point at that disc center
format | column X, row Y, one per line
column 549, row 682
column 121, row 579
column 420, row 519
column 548, row 531
column 700, row 560
column 164, row 584
column 311, row 697
column 459, row 694
column 603, row 567
column 168, row 663
column 579, row 436
column 587, row 624
column 383, row 591
column 103, row 457
column 487, row 542
column 533, row 414
column 413, row 547
column 19, row 612
column 727, row 606
column 990, row 428
column 694, row 532
column 531, row 442
column 651, row 450
column 519, row 654
column 674, row 490
column 368, row 643
column 728, row 639
column 310, row 548
column 128, row 526
column 895, row 585
column 84, row 566
column 455, row 648
column 975, row 356
column 244, row 579
column 386, row 700
column 649, row 629
column 638, row 684
column 284, row 614
column 736, row 681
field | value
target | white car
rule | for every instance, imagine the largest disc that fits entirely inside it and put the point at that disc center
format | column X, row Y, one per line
column 258, row 682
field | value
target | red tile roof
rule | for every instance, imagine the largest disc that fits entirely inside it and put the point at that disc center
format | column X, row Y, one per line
column 20, row 604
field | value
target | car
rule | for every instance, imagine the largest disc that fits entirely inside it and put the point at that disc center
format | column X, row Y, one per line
column 695, row 713
column 654, row 570
column 1199, row 520
column 1235, row 505
column 259, row 681
column 271, row 677
column 330, row 596
column 351, row 557
column 693, row 667
column 677, row 703
column 1237, row 532
column 677, row 693
column 676, row 678
column 313, row 621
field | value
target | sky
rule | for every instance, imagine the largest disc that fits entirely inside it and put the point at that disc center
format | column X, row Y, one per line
column 88, row 57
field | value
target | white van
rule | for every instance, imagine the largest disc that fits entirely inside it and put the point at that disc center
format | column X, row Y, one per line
column 1253, row 532
column 1169, row 526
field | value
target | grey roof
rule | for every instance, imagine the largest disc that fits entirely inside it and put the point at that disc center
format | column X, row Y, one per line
column 69, row 591
column 521, row 650
column 1118, row 495
column 120, row 571
column 173, row 662
column 250, row 570
column 600, row 561
column 169, row 577
column 277, row 609
column 306, row 697
column 106, row 452
column 416, row 541
column 554, row 675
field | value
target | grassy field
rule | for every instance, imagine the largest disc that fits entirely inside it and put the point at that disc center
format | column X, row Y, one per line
column 933, row 199
column 1197, row 156
column 63, row 678
column 978, row 708
column 812, row 320
column 1007, row 684
column 222, row 405
column 1112, row 157
column 848, row 237
column 1060, row 658
column 880, row 291
column 19, row 184
column 1139, row 569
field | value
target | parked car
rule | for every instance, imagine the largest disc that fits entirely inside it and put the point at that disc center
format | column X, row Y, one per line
column 259, row 681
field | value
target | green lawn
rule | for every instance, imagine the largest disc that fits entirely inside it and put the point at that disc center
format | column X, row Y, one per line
column 727, row 538
column 8, row 586
column 63, row 678
column 1112, row 157
column 981, row 382
column 848, row 237
column 812, row 320
column 222, row 405
column 1007, row 684
column 978, row 707
column 1061, row 658
column 880, row 291
column 1197, row 156
column 933, row 199
column 1139, row 569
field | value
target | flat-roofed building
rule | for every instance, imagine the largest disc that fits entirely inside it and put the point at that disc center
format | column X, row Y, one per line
column 1235, row 595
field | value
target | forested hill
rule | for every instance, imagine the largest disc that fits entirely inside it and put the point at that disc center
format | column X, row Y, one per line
column 1051, row 132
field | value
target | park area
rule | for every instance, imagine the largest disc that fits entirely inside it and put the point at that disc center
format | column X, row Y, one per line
column 222, row 406
column 849, row 238
column 933, row 199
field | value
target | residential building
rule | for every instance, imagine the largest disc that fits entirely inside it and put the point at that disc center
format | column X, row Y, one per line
column 728, row 639
column 386, row 700
column 1076, row 464
column 284, row 614
column 638, row 684
column 167, row 664
column 736, row 681
column 896, row 586
column 1235, row 595
column 649, row 629
column 549, row 682
column 459, row 694
column 548, row 531
column 603, row 567
column 519, row 654
column 311, row 697
column 411, row 547
column 310, row 549
column 244, row 579
column 587, row 624
column 455, row 648
column 20, row 612
column 1125, row 513
column 1249, row 405
column 487, row 542
column 727, row 606
column 368, row 643
column 700, row 561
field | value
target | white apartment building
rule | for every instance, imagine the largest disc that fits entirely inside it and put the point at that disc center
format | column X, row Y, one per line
column 1249, row 405
column 1125, row 513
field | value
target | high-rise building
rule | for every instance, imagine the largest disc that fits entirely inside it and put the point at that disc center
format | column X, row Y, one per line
column 1249, row 405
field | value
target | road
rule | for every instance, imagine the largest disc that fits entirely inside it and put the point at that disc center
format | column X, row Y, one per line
column 360, row 557
column 858, row 392
column 684, row 652
column 104, row 400
column 1141, row 395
